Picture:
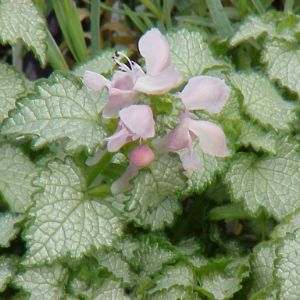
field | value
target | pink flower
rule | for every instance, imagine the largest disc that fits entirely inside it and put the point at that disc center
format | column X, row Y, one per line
column 140, row 157
column 136, row 122
column 211, row 139
column 130, row 79
column 120, row 88
column 205, row 93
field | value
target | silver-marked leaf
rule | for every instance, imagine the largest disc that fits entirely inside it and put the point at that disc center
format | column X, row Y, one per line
column 221, row 279
column 43, row 283
column 65, row 219
column 7, row 230
column 267, row 293
column 283, row 63
column 177, row 275
column 253, row 27
column 260, row 139
column 12, row 85
column 287, row 267
column 16, row 175
column 110, row 290
column 190, row 53
column 269, row 182
column 153, row 200
column 288, row 225
column 176, row 292
column 6, row 272
column 152, row 254
column 262, row 265
column 101, row 64
column 262, row 102
column 61, row 108
column 20, row 20
column 116, row 264
column 210, row 167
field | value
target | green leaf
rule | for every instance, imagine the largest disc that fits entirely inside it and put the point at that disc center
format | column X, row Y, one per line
column 61, row 107
column 288, row 225
column 20, row 20
column 153, row 200
column 287, row 267
column 6, row 272
column 255, row 136
column 222, row 278
column 177, row 275
column 190, row 54
column 8, row 231
column 210, row 167
column 12, row 85
column 262, row 265
column 101, row 64
column 282, row 61
column 262, row 102
column 16, row 175
column 269, row 182
column 110, row 290
column 43, row 283
column 66, row 220
column 252, row 28
column 229, row 212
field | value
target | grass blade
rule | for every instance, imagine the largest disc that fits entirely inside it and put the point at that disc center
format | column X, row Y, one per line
column 219, row 18
column 55, row 58
column 135, row 18
column 258, row 6
column 95, row 25
column 69, row 22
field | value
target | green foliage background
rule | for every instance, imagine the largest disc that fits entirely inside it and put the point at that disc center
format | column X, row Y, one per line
column 228, row 231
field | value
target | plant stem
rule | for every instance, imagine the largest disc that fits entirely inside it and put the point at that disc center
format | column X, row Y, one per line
column 263, row 221
column 288, row 5
column 93, row 171
column 17, row 56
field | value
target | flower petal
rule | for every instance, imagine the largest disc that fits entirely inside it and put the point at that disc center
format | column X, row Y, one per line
column 118, row 139
column 117, row 100
column 177, row 139
column 190, row 161
column 122, row 81
column 139, row 120
column 205, row 93
column 122, row 184
column 211, row 137
column 159, row 84
column 155, row 49
column 94, row 81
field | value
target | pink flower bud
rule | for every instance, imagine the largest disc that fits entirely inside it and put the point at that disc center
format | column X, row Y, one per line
column 141, row 156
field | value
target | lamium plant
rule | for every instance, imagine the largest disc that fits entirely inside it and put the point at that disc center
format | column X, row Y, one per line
column 169, row 169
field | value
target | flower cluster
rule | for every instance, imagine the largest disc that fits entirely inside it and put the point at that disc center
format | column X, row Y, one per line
column 136, row 121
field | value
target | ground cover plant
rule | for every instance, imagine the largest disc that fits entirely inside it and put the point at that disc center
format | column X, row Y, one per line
column 149, row 149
